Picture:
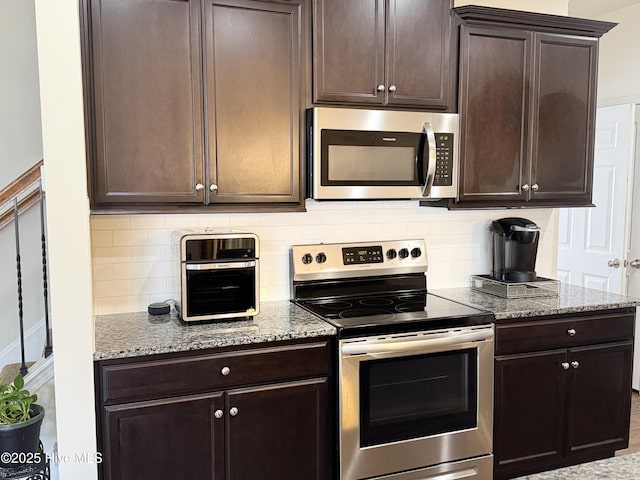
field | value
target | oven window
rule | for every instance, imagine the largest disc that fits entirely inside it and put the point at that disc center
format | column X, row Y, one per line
column 418, row 396
column 220, row 291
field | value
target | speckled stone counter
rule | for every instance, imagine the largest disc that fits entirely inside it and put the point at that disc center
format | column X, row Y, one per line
column 135, row 334
column 572, row 299
column 625, row 467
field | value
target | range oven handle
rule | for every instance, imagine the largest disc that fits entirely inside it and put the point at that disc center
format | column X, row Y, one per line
column 424, row 345
column 427, row 129
column 220, row 266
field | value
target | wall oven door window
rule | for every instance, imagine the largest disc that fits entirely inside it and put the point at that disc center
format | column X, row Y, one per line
column 414, row 400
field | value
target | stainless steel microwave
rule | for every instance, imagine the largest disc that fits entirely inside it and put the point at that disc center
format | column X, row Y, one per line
column 381, row 154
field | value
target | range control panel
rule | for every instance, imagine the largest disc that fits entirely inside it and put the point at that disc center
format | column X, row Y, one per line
column 444, row 160
column 344, row 260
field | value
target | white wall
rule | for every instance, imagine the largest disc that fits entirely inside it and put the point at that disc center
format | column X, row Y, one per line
column 20, row 131
column 619, row 61
column 554, row 7
column 68, row 227
column 132, row 254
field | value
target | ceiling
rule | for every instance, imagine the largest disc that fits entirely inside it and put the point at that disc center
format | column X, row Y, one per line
column 595, row 8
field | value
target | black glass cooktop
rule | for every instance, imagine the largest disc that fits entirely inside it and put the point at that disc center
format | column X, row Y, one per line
column 394, row 312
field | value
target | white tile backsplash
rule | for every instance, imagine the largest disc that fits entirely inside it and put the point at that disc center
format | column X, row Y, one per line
column 132, row 253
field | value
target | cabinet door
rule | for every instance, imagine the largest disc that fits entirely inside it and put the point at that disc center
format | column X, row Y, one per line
column 418, row 43
column 348, row 51
column 279, row 431
column 494, row 99
column 529, row 412
column 147, row 101
column 599, row 399
column 564, row 112
column 253, row 91
column 164, row 439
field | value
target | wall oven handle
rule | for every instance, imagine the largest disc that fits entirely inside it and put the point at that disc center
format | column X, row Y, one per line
column 427, row 129
column 220, row 266
column 415, row 345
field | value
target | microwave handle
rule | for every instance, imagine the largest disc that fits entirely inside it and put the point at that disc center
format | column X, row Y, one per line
column 427, row 130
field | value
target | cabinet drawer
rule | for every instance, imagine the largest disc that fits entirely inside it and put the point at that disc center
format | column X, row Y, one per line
column 562, row 332
column 177, row 376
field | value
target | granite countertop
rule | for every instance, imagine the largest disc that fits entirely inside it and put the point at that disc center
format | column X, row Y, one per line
column 136, row 334
column 572, row 299
column 614, row 468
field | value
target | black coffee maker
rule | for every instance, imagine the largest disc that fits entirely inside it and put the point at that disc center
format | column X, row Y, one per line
column 515, row 247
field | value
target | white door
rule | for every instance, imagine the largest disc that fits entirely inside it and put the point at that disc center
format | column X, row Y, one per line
column 592, row 241
column 633, row 257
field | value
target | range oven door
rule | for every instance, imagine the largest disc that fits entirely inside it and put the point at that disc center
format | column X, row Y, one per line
column 374, row 154
column 414, row 400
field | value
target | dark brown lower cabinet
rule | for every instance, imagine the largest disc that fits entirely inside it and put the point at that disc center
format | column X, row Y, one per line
column 255, row 429
column 566, row 404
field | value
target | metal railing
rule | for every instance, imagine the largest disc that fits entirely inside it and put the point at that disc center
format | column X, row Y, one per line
column 22, row 194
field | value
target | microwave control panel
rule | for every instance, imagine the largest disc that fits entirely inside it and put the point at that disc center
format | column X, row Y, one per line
column 444, row 160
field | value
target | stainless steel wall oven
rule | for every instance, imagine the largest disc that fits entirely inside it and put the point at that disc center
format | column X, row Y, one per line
column 415, row 387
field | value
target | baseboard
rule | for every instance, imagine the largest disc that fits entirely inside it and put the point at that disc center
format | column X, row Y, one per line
column 34, row 340
column 39, row 374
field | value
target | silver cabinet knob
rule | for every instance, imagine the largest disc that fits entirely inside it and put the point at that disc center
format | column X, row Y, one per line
column 565, row 365
column 218, row 413
column 535, row 187
column 525, row 187
column 233, row 411
column 635, row 263
column 225, row 371
column 571, row 332
column 199, row 187
column 575, row 364
column 615, row 263
column 380, row 88
column 213, row 187
column 392, row 88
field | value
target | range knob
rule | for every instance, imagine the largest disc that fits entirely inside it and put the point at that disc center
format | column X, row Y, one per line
column 321, row 257
column 415, row 252
column 391, row 253
column 307, row 258
column 404, row 253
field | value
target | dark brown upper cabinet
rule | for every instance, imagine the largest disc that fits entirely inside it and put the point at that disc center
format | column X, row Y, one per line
column 527, row 101
column 383, row 52
column 194, row 102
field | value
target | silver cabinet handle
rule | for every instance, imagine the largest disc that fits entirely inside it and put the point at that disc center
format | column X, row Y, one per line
column 392, row 88
column 218, row 413
column 575, row 364
column 225, row 371
column 213, row 187
column 635, row 263
column 525, row 187
column 535, row 187
column 571, row 332
column 565, row 365
column 615, row 263
column 233, row 411
column 380, row 88
column 199, row 187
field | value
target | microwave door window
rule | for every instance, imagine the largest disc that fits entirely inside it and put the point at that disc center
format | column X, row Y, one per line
column 222, row 291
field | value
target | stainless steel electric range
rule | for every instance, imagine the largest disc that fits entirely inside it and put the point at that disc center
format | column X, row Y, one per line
column 415, row 371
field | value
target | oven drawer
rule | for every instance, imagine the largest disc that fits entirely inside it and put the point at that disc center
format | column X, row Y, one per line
column 181, row 375
column 562, row 332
